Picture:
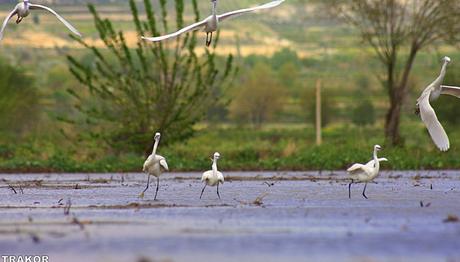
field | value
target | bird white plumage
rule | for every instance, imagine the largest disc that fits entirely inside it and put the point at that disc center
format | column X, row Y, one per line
column 154, row 166
column 426, row 111
column 211, row 23
column 212, row 177
column 360, row 173
column 22, row 10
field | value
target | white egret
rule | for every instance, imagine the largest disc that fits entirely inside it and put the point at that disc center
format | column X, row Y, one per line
column 154, row 166
column 426, row 111
column 360, row 173
column 212, row 177
column 23, row 10
column 211, row 23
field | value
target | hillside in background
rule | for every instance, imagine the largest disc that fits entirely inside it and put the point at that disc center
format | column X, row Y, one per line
column 261, row 33
column 67, row 2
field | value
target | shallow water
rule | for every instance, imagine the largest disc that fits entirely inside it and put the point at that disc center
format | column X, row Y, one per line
column 267, row 216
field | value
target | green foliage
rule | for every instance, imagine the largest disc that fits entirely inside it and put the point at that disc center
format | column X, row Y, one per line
column 259, row 97
column 269, row 148
column 328, row 106
column 285, row 56
column 153, row 86
column 19, row 101
column 364, row 113
column 289, row 75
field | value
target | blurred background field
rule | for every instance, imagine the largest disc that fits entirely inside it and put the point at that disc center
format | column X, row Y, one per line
column 265, row 120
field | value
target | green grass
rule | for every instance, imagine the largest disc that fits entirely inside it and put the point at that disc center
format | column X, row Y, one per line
column 280, row 147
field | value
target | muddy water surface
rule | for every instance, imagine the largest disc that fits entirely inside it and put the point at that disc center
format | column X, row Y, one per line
column 409, row 216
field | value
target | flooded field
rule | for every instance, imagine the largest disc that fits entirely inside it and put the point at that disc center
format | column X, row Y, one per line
column 409, row 216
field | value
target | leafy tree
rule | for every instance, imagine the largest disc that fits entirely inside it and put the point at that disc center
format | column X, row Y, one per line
column 364, row 113
column 363, row 83
column 19, row 101
column 397, row 31
column 328, row 106
column 259, row 97
column 152, row 86
column 289, row 77
column 285, row 55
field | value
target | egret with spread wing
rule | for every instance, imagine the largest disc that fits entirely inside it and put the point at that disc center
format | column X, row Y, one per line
column 426, row 111
column 360, row 173
column 23, row 10
column 154, row 166
column 211, row 23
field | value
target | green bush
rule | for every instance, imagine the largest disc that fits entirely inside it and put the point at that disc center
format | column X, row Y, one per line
column 364, row 113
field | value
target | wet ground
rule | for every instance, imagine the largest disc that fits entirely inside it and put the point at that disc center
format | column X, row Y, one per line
column 304, row 216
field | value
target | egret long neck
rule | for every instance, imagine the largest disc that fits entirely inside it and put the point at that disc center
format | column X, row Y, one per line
column 376, row 161
column 214, row 166
column 26, row 4
column 214, row 8
column 155, row 146
column 443, row 70
column 441, row 76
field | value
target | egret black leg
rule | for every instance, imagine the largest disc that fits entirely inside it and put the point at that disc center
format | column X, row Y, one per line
column 364, row 191
column 202, row 191
column 148, row 183
column 218, row 190
column 349, row 189
column 19, row 20
column 208, row 39
column 158, row 186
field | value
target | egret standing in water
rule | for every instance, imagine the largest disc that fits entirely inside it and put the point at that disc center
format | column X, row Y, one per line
column 154, row 166
column 211, row 23
column 426, row 111
column 23, row 10
column 360, row 173
column 212, row 177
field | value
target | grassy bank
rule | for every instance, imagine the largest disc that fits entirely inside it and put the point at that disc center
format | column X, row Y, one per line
column 271, row 148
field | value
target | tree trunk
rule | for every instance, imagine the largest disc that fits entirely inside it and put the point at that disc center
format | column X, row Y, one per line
column 392, row 134
column 397, row 95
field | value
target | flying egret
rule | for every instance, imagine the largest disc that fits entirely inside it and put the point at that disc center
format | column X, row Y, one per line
column 360, row 173
column 211, row 23
column 154, row 166
column 427, row 113
column 212, row 177
column 23, row 9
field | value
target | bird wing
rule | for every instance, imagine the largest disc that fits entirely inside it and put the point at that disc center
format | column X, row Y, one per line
column 372, row 162
column 148, row 162
column 206, row 175
column 356, row 167
column 164, row 164
column 451, row 90
column 220, row 177
column 437, row 132
column 5, row 23
column 189, row 28
column 247, row 10
column 69, row 26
